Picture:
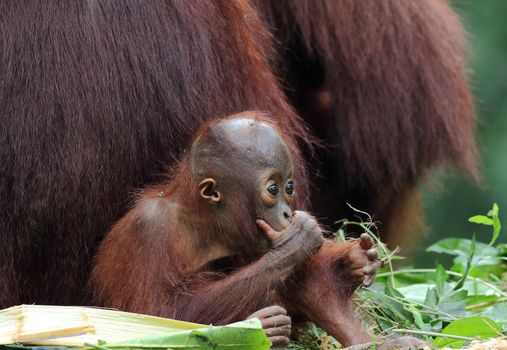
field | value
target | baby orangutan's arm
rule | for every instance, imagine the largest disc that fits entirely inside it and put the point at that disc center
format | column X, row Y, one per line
column 321, row 290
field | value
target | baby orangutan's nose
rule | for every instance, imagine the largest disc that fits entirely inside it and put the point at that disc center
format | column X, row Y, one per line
column 287, row 216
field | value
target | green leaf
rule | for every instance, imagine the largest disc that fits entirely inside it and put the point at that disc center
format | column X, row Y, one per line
column 440, row 278
column 393, row 292
column 502, row 249
column 247, row 335
column 486, row 271
column 412, row 278
column 497, row 312
column 392, row 304
column 431, row 299
column 479, row 289
column 497, row 226
column 492, row 219
column 417, row 316
column 468, row 264
column 478, row 327
column 415, row 292
column 462, row 247
column 494, row 211
column 481, row 219
column 451, row 246
column 452, row 305
column 478, row 300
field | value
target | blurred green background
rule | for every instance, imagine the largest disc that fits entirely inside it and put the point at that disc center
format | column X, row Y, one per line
column 453, row 199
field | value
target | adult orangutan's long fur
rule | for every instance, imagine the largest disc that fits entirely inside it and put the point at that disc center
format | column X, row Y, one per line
column 392, row 73
column 97, row 97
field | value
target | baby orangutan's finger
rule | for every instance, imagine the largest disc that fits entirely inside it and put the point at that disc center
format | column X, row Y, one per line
column 276, row 324
column 368, row 280
column 284, row 331
column 279, row 341
column 358, row 274
column 269, row 311
column 271, row 234
column 372, row 254
column 272, row 316
column 365, row 241
column 275, row 321
column 370, row 269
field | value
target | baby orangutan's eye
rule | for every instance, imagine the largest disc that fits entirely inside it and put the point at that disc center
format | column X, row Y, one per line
column 289, row 188
column 273, row 189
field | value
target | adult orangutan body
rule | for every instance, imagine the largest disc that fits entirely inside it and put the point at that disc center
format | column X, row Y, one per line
column 220, row 241
column 96, row 97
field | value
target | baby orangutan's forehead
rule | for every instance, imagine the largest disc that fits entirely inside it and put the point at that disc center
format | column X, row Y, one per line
column 256, row 141
column 241, row 140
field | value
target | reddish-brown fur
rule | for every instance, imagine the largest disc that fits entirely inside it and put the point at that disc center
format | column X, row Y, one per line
column 383, row 83
column 147, row 264
column 97, row 96
column 155, row 259
column 95, row 99
column 321, row 293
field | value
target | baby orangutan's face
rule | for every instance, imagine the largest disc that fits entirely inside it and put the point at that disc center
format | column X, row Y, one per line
column 276, row 195
column 261, row 169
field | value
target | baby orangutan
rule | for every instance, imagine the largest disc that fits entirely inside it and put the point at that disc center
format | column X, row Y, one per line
column 219, row 242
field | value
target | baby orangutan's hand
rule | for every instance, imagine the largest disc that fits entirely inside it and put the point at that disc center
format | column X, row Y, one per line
column 363, row 260
column 276, row 324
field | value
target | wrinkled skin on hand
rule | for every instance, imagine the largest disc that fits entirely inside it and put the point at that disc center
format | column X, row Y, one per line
column 321, row 290
column 361, row 260
column 299, row 241
column 276, row 324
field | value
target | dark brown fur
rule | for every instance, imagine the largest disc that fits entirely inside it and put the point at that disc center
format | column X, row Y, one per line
column 384, row 84
column 97, row 96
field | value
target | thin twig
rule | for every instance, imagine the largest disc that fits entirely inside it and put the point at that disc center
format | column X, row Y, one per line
column 431, row 334
column 486, row 303
column 452, row 273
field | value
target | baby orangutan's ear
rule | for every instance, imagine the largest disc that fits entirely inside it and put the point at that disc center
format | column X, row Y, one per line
column 208, row 191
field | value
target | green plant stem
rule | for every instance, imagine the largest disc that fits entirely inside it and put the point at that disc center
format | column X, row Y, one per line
column 435, row 311
column 452, row 273
column 486, row 303
column 366, row 228
column 431, row 334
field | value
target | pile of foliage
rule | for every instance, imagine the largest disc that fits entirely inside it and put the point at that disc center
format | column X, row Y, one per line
column 448, row 307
